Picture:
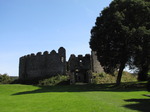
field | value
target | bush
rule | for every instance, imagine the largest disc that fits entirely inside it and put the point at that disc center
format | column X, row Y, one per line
column 128, row 77
column 5, row 79
column 101, row 78
column 55, row 80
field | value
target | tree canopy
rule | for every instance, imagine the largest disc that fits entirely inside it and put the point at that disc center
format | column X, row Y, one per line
column 120, row 32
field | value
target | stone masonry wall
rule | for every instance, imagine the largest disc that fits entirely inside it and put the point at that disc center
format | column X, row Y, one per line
column 78, row 68
column 43, row 65
column 96, row 66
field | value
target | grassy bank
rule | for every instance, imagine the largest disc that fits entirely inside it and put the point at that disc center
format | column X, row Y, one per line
column 74, row 98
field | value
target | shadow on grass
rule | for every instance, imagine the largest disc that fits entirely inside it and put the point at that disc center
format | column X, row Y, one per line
column 142, row 105
column 79, row 88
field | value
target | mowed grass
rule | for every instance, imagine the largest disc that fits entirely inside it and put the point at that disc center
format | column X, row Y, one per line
column 74, row 98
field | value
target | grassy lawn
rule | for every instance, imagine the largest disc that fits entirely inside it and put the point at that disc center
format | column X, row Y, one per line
column 75, row 98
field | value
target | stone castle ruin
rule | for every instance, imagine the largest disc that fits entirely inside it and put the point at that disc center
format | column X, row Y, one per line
column 51, row 64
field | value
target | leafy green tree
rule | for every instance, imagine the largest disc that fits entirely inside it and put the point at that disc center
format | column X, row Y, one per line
column 4, row 79
column 142, row 52
column 114, row 36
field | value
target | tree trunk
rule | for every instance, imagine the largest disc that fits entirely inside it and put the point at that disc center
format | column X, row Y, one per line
column 143, row 74
column 121, row 68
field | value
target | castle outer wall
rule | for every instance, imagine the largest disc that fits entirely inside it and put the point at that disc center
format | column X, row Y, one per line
column 95, row 64
column 43, row 65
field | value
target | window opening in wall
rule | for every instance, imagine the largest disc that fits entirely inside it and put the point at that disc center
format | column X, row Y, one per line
column 62, row 59
column 80, row 61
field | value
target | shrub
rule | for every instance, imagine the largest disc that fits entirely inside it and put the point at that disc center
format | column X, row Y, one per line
column 5, row 79
column 101, row 78
column 55, row 80
column 128, row 77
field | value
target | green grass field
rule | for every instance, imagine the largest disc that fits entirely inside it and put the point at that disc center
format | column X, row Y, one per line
column 75, row 98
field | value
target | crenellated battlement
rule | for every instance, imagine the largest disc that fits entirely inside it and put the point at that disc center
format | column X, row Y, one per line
column 61, row 51
column 79, row 56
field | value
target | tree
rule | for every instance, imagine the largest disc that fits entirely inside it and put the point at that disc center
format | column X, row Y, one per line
column 114, row 35
column 4, row 79
column 142, row 55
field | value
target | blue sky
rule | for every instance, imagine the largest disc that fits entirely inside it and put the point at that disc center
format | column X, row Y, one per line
column 30, row 26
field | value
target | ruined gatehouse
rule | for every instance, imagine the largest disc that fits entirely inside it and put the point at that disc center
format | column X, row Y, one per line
column 54, row 63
